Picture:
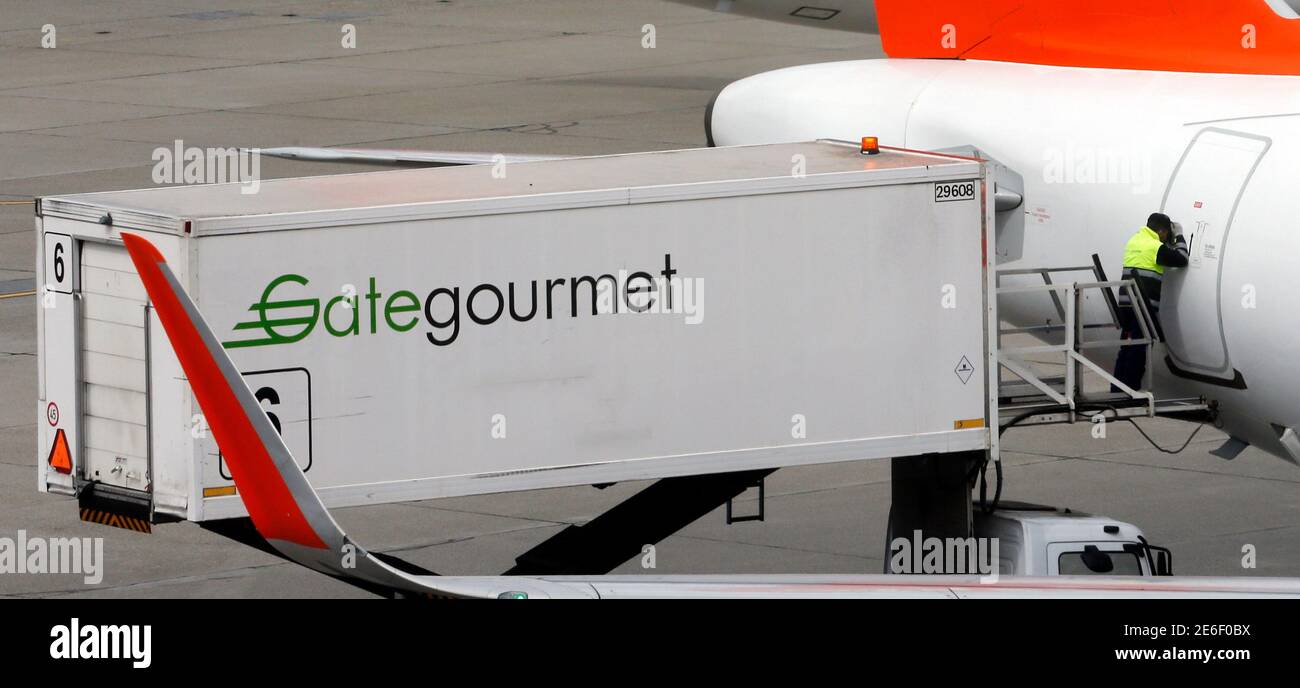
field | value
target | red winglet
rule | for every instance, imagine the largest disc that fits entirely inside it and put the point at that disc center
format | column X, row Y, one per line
column 267, row 496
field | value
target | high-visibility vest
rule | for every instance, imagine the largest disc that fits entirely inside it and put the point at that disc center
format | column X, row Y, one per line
column 1140, row 264
column 1141, row 251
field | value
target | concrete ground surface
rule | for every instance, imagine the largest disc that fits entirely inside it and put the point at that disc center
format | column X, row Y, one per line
column 524, row 76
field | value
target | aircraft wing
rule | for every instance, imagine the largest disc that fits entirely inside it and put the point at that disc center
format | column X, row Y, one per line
column 397, row 157
column 865, row 586
column 290, row 516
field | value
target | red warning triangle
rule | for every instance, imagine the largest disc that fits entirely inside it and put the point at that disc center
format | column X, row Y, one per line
column 60, row 454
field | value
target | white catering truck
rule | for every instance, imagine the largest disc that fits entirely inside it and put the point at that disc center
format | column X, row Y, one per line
column 425, row 333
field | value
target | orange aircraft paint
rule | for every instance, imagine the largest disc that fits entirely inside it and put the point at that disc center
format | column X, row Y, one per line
column 1212, row 36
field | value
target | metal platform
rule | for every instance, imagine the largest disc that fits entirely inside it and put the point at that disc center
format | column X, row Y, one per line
column 1036, row 399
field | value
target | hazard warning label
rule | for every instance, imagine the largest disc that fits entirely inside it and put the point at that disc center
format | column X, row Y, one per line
column 964, row 370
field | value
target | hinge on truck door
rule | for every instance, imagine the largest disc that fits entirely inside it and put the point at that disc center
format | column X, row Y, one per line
column 732, row 518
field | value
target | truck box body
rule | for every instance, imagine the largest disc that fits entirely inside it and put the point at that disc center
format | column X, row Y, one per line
column 426, row 333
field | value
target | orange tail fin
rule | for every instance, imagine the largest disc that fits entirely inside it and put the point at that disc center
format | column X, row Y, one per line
column 1216, row 36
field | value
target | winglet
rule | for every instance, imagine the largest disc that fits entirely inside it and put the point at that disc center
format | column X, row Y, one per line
column 252, row 448
column 281, row 503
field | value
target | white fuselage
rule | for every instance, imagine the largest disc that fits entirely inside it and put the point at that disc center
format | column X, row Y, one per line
column 1100, row 150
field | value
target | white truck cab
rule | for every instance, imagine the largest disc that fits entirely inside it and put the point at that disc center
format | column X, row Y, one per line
column 1036, row 540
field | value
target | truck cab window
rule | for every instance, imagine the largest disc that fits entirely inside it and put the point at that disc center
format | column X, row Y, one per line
column 1086, row 564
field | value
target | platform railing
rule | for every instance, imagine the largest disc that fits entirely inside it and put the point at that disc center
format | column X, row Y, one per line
column 1068, row 300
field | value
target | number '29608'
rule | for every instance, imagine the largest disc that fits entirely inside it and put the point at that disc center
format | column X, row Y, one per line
column 954, row 191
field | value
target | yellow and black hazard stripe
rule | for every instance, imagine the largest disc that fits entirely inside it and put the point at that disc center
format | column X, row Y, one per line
column 108, row 518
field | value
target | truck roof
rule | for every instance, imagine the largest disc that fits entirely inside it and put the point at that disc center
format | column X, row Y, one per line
column 602, row 180
column 1064, row 525
column 1033, row 509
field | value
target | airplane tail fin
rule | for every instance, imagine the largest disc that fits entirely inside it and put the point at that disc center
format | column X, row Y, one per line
column 1216, row 36
column 284, row 508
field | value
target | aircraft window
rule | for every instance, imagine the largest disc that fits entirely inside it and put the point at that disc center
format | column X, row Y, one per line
column 1098, row 563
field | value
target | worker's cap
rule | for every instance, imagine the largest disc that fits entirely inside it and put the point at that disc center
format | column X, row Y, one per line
column 1159, row 221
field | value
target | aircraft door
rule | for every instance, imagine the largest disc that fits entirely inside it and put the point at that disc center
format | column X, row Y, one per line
column 1203, row 196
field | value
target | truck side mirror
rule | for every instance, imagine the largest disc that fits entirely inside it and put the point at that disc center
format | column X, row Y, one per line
column 1096, row 560
column 1160, row 558
column 1164, row 563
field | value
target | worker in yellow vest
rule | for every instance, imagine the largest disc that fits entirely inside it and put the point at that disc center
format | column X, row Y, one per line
column 1149, row 252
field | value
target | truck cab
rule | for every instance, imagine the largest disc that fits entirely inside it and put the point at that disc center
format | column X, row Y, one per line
column 1037, row 540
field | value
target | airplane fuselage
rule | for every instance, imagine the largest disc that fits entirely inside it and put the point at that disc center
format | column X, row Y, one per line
column 1099, row 150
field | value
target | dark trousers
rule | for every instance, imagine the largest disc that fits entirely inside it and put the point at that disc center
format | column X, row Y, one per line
column 1131, row 365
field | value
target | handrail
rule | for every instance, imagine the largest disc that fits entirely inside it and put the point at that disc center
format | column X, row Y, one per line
column 1068, row 299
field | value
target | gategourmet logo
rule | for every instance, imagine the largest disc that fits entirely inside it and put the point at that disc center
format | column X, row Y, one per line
column 284, row 315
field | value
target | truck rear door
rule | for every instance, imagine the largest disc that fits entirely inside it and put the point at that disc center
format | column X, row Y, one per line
column 114, row 368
